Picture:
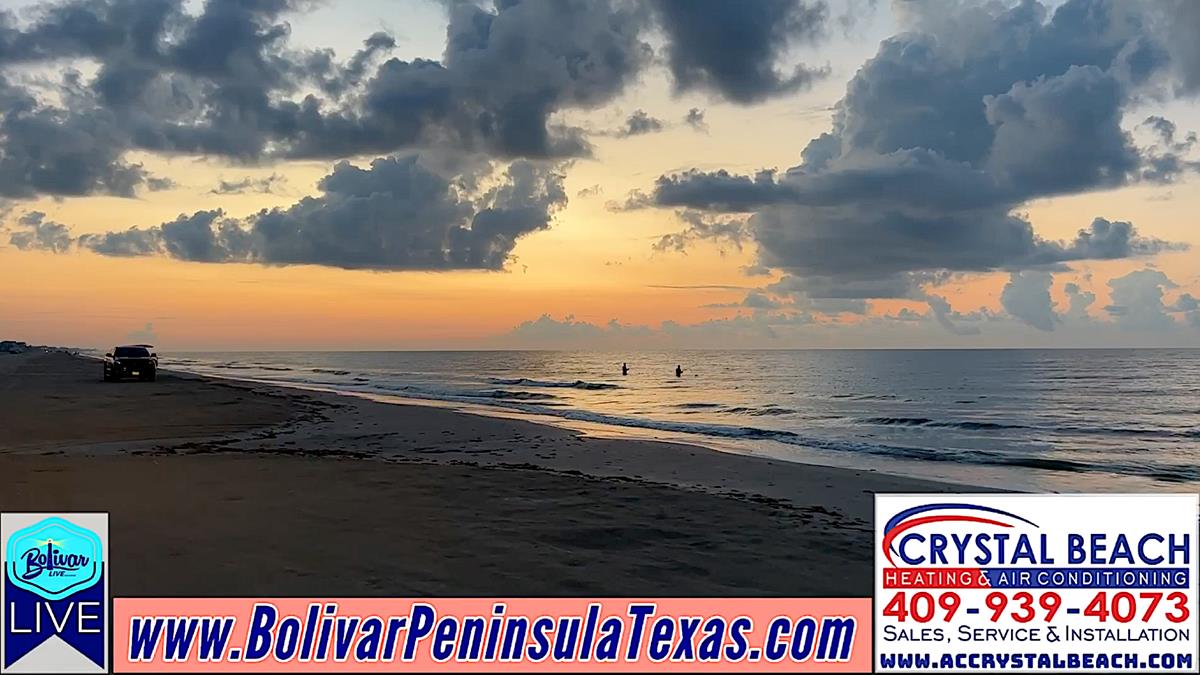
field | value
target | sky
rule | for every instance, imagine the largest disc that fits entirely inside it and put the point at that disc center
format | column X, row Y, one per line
column 600, row 174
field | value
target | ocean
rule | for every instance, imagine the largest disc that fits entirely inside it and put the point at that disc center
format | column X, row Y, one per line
column 1071, row 420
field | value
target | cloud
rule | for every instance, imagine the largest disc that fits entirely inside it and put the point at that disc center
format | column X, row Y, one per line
column 160, row 184
column 143, row 335
column 1108, row 240
column 702, row 227
column 1186, row 302
column 1060, row 134
column 1166, row 161
column 1078, row 301
column 735, row 49
column 571, row 332
column 772, row 317
column 503, row 75
column 546, row 330
column 640, row 123
column 753, row 300
column 1137, row 300
column 336, row 80
column 1026, row 297
column 840, row 288
column 1176, row 20
column 1164, row 127
column 715, row 191
column 163, row 79
column 763, row 322
column 590, row 191
column 397, row 214
column 941, row 137
column 226, row 82
column 124, row 244
column 266, row 185
column 45, row 150
column 1188, row 309
column 695, row 120
column 35, row 232
column 946, row 316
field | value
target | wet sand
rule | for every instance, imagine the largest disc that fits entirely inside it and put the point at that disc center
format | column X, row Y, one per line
column 227, row 488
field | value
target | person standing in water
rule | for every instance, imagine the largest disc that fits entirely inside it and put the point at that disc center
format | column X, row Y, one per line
column 678, row 371
column 624, row 368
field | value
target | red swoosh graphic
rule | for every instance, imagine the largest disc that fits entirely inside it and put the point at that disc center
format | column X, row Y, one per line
column 887, row 540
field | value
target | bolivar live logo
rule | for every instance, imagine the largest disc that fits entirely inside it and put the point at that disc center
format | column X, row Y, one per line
column 1036, row 583
column 55, row 593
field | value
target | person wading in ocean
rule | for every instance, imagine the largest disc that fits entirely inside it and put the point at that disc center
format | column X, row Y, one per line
column 624, row 368
column 678, row 371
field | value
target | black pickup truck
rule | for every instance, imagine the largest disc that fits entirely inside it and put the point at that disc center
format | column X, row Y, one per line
column 138, row 361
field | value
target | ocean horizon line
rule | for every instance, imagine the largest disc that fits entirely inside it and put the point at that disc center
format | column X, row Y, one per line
column 646, row 350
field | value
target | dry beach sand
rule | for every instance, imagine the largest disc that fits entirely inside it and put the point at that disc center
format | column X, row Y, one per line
column 226, row 488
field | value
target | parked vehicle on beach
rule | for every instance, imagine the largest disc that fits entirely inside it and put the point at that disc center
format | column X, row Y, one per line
column 12, row 347
column 131, row 361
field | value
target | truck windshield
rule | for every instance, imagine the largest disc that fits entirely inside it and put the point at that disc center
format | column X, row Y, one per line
column 131, row 352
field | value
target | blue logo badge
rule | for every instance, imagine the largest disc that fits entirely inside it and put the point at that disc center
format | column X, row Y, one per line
column 54, row 558
column 54, row 593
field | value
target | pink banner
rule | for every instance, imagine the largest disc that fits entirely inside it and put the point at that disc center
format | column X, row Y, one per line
column 491, row 635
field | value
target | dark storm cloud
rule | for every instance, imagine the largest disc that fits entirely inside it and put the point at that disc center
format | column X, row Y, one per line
column 736, row 48
column 227, row 82
column 940, row 138
column 395, row 215
column 716, row 191
column 44, row 150
column 503, row 75
column 203, row 90
column 92, row 28
column 1179, row 21
column 1060, row 134
column 695, row 119
column 205, row 236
